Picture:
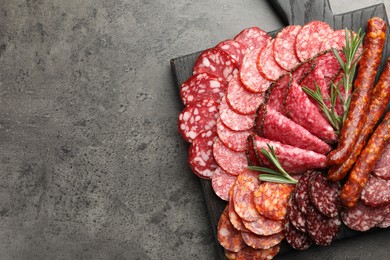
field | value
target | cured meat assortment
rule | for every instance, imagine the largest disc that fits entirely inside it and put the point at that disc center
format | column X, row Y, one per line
column 245, row 95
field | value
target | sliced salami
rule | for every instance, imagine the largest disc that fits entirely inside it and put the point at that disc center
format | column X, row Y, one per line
column 234, row 218
column 297, row 239
column 321, row 229
column 385, row 222
column 382, row 166
column 294, row 160
column 271, row 199
column 325, row 195
column 275, row 126
column 302, row 111
column 249, row 74
column 235, row 49
column 376, row 192
column 309, row 39
column 362, row 217
column 301, row 194
column 240, row 99
column 251, row 153
column 202, row 86
column 197, row 118
column 234, row 140
column 303, row 70
column 267, row 65
column 336, row 40
column 233, row 120
column 230, row 161
column 200, row 155
column 264, row 226
column 253, row 38
column 277, row 93
column 295, row 215
column 317, row 79
column 262, row 242
column 216, row 62
column 222, row 182
column 229, row 237
column 249, row 253
column 328, row 64
column 284, row 47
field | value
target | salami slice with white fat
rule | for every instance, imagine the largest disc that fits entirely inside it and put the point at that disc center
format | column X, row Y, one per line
column 273, row 125
column 309, row 39
column 262, row 242
column 302, row 71
column 240, row 99
column 284, row 47
column 328, row 64
column 277, row 93
column 197, row 118
column 336, row 40
column 216, row 62
column 312, row 81
column 200, row 155
column 230, row 161
column 301, row 195
column 235, row 49
column 250, row 75
column 229, row 237
column 264, row 226
column 294, row 160
column 222, row 182
column 235, row 140
column 295, row 215
column 376, row 192
column 253, row 38
column 202, row 86
column 322, row 230
column 267, row 65
column 382, row 166
column 297, row 239
column 233, row 120
column 249, row 253
column 385, row 223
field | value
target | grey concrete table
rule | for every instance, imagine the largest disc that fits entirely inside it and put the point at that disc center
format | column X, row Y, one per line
column 91, row 163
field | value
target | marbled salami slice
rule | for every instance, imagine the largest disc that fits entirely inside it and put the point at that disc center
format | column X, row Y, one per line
column 253, row 38
column 325, row 195
column 202, row 86
column 240, row 99
column 230, row 161
column 376, row 192
column 309, row 39
column 234, row 218
column 262, row 242
column 233, row 120
column 271, row 199
column 277, row 93
column 301, row 194
column 249, row 253
column 235, row 49
column 264, row 226
column 251, row 153
column 267, row 65
column 317, row 79
column 294, row 160
column 229, row 237
column 362, row 217
column 304, row 69
column 385, row 222
column 297, row 239
column 336, row 40
column 200, row 155
column 328, row 64
column 275, row 126
column 284, row 47
column 382, row 166
column 302, row 111
column 250, row 75
column 197, row 118
column 222, row 182
column 216, row 62
column 295, row 215
column 234, row 140
column 321, row 229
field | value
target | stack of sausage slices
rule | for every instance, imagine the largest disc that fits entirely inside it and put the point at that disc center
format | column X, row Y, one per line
column 247, row 105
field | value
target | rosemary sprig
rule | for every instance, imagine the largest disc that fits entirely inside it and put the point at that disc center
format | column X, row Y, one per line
column 270, row 175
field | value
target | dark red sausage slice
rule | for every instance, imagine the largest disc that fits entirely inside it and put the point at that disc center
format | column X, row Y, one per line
column 322, row 230
column 301, row 194
column 382, row 166
column 235, row 49
column 297, row 239
column 296, row 217
column 376, row 192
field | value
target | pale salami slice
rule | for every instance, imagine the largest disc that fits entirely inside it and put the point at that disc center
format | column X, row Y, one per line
column 385, row 222
column 240, row 99
column 271, row 199
column 249, row 74
column 233, row 120
column 200, row 155
column 302, row 111
column 249, row 253
column 301, row 194
column 202, row 86
column 267, row 65
column 297, row 239
column 234, row 140
column 294, row 160
column 262, row 242
column 264, row 226
column 362, row 217
column 230, row 161
column 277, row 93
column 216, row 62
column 222, row 182
column 253, row 38
column 321, row 229
column 284, row 47
column 376, row 192
column 274, row 126
column 235, row 49
column 229, row 237
column 336, row 40
column 234, row 218
column 295, row 215
column 197, row 118
column 251, row 153
column 325, row 195
column 382, row 166
column 309, row 39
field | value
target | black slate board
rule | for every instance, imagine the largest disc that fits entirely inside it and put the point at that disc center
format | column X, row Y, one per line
column 291, row 12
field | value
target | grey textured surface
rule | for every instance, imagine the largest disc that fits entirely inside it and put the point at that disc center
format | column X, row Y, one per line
column 91, row 163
